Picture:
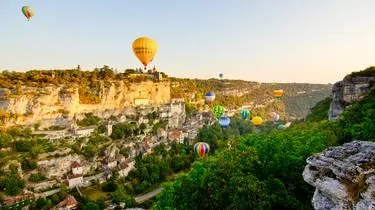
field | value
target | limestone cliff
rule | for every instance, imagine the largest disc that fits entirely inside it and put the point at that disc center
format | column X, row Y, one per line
column 55, row 105
column 347, row 91
column 343, row 177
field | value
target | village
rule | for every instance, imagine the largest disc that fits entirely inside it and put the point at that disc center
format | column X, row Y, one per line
column 157, row 125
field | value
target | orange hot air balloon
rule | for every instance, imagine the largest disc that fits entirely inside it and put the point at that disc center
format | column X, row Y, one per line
column 28, row 12
column 278, row 93
column 145, row 49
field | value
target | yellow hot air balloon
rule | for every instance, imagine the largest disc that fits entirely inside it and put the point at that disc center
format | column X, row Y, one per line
column 145, row 49
column 257, row 120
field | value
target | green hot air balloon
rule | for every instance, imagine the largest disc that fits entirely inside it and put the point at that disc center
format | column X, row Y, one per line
column 245, row 113
column 218, row 111
column 28, row 12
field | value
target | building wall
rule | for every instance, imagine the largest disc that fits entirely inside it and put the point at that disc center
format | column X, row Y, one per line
column 78, row 181
column 77, row 170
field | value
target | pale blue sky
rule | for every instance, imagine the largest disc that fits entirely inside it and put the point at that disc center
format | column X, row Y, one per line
column 273, row 41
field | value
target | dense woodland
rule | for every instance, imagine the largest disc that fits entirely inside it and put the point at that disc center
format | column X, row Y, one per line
column 263, row 170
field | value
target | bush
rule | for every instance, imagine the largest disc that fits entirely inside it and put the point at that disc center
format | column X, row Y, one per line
column 12, row 184
column 29, row 164
column 37, row 178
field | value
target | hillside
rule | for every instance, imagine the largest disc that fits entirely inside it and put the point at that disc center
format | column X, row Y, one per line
column 299, row 98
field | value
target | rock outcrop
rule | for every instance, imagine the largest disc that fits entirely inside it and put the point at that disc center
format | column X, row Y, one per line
column 344, row 177
column 56, row 105
column 347, row 91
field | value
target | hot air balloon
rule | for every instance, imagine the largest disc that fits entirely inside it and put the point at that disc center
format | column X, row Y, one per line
column 281, row 126
column 257, row 121
column 28, row 12
column 210, row 97
column 201, row 148
column 145, row 49
column 278, row 93
column 275, row 116
column 218, row 111
column 245, row 113
column 221, row 75
column 224, row 121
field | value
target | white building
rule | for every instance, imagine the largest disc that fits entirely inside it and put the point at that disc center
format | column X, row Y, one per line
column 75, row 180
column 177, row 100
column 76, row 168
column 141, row 101
column 84, row 132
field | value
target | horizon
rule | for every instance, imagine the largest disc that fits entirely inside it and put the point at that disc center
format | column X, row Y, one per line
column 265, row 42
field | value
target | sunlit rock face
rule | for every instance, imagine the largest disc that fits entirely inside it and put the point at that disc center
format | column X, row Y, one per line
column 343, row 177
column 347, row 91
column 57, row 105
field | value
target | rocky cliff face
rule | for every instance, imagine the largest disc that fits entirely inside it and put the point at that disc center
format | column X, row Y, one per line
column 344, row 177
column 347, row 91
column 55, row 105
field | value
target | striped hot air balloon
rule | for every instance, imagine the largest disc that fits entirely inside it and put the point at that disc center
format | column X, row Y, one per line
column 218, row 111
column 201, row 149
column 28, row 12
column 245, row 113
column 224, row 121
column 210, row 97
column 275, row 116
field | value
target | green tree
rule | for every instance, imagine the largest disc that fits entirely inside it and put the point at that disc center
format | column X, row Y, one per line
column 90, row 206
column 12, row 184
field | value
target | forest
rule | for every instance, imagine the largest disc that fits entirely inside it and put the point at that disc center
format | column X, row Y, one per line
column 263, row 170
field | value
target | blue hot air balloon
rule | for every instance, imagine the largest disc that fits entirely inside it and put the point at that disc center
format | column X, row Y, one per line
column 210, row 97
column 224, row 121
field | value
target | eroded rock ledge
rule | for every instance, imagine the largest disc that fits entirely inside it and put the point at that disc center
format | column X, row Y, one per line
column 343, row 177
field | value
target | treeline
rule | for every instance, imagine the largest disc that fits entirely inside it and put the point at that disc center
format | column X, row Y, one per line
column 89, row 82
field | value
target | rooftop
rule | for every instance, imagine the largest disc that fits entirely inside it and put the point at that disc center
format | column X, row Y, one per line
column 68, row 201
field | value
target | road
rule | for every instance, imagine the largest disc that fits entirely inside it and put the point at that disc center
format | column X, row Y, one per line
column 149, row 195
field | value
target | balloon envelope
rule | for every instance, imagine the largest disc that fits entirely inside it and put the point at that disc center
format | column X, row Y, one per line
column 278, row 93
column 210, row 97
column 28, row 12
column 282, row 126
column 201, row 148
column 221, row 75
column 275, row 116
column 224, row 122
column 257, row 120
column 245, row 113
column 218, row 111
column 145, row 49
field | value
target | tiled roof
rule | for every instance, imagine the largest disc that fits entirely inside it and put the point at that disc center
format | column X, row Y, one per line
column 75, row 164
column 68, row 201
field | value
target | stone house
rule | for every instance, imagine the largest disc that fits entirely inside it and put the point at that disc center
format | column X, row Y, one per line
column 75, row 180
column 69, row 203
column 162, row 133
column 110, row 163
column 126, row 167
column 177, row 136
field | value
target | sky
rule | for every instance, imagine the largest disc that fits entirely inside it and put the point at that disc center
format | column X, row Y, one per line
column 315, row 41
